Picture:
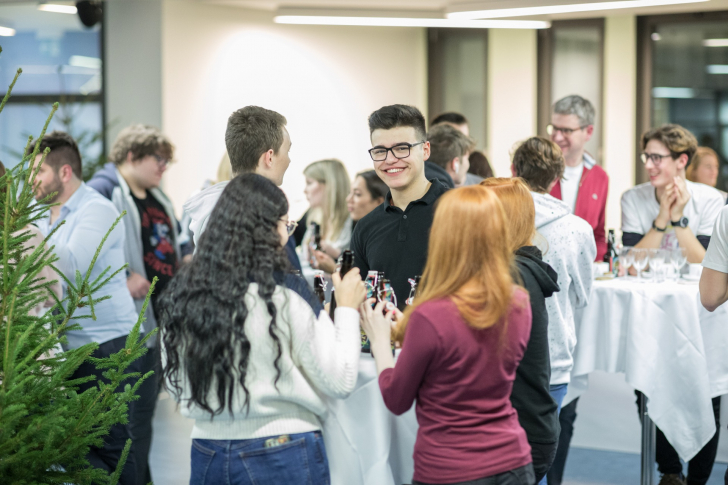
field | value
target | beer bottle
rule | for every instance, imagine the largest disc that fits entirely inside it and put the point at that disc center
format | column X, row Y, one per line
column 611, row 255
column 347, row 262
column 319, row 285
column 316, row 237
column 371, row 284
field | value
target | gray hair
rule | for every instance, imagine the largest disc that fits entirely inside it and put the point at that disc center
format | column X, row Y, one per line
column 576, row 105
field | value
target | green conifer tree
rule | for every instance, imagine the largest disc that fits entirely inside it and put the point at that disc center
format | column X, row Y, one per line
column 46, row 426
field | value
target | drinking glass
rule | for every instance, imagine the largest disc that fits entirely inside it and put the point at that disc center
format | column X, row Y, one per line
column 626, row 258
column 678, row 258
column 657, row 262
column 641, row 260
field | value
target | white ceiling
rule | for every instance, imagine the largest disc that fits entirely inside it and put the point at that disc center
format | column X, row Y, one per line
column 443, row 5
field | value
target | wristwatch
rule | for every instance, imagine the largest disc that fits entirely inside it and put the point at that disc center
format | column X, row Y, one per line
column 658, row 229
column 683, row 222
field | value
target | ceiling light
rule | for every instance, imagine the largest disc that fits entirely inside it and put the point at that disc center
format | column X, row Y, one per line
column 557, row 9
column 717, row 69
column 57, row 8
column 409, row 22
column 679, row 93
column 655, row 36
column 715, row 42
column 7, row 32
column 85, row 61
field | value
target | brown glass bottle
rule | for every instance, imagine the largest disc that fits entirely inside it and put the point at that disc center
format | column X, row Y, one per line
column 347, row 262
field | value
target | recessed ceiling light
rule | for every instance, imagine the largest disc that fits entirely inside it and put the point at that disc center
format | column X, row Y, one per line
column 556, row 9
column 717, row 69
column 409, row 22
column 715, row 42
column 57, row 8
column 655, row 36
column 7, row 32
column 679, row 93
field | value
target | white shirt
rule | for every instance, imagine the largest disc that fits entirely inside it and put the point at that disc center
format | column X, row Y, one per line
column 570, row 185
column 640, row 208
column 716, row 257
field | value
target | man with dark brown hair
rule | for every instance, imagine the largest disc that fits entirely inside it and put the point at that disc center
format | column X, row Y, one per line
column 257, row 141
column 450, row 149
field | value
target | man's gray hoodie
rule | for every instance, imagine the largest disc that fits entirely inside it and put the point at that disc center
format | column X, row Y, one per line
column 570, row 251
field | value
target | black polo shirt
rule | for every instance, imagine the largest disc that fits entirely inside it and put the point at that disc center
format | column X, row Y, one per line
column 395, row 241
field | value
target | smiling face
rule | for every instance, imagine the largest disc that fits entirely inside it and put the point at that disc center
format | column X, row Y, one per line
column 707, row 171
column 574, row 142
column 399, row 174
column 663, row 173
column 359, row 202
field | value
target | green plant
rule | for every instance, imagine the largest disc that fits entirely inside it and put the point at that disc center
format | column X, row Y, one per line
column 46, row 426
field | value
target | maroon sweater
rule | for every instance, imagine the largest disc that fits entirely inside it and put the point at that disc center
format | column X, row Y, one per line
column 462, row 380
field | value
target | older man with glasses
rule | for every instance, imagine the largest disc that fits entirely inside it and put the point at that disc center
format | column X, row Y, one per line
column 585, row 184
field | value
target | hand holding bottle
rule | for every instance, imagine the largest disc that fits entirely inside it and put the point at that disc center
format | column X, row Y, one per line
column 350, row 291
column 375, row 323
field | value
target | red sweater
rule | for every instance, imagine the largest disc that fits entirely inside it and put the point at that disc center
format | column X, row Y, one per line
column 591, row 201
column 462, row 380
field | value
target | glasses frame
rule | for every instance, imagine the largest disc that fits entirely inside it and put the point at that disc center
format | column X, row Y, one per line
column 290, row 226
column 652, row 156
column 391, row 149
column 551, row 129
column 162, row 162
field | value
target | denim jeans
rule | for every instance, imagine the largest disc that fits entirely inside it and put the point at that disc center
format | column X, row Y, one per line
column 300, row 461
column 518, row 476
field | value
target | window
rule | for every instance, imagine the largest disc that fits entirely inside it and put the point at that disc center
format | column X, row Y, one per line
column 457, row 66
column 684, row 79
column 61, row 61
column 571, row 59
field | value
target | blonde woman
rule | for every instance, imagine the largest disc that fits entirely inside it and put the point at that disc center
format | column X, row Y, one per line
column 704, row 168
column 327, row 186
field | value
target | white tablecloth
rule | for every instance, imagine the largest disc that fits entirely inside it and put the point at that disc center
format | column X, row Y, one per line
column 365, row 443
column 666, row 343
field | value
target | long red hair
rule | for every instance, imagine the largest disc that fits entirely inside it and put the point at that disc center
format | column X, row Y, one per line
column 468, row 259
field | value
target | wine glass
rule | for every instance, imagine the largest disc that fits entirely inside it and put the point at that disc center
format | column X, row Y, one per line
column 641, row 260
column 657, row 262
column 678, row 258
column 626, row 258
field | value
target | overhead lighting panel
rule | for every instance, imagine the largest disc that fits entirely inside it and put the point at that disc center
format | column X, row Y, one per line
column 558, row 9
column 409, row 22
column 715, row 42
column 58, row 8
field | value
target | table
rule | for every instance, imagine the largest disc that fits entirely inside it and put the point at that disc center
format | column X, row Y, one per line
column 365, row 443
column 669, row 347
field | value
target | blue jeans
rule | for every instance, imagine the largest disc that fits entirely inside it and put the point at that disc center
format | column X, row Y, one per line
column 558, row 392
column 300, row 461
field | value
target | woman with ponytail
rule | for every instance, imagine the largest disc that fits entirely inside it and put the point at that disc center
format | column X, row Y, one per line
column 462, row 341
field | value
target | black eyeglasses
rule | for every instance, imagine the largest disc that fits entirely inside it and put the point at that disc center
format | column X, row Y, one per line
column 290, row 226
column 162, row 162
column 551, row 130
column 379, row 154
column 655, row 158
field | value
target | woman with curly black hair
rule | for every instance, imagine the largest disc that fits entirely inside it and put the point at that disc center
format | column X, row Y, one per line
column 248, row 350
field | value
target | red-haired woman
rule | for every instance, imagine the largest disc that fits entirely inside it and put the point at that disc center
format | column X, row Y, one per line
column 462, row 341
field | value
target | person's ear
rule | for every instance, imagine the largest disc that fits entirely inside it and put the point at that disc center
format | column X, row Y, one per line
column 65, row 173
column 551, row 185
column 129, row 157
column 266, row 160
column 426, row 151
column 589, row 130
column 513, row 171
column 682, row 161
column 455, row 164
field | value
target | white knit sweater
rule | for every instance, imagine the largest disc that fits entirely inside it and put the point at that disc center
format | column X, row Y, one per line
column 318, row 357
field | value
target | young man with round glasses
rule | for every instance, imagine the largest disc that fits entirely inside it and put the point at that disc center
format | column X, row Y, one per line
column 393, row 237
column 584, row 185
column 667, row 212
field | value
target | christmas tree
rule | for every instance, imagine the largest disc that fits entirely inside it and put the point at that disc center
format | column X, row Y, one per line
column 46, row 426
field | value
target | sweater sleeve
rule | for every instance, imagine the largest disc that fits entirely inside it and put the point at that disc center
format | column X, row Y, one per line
column 328, row 354
column 401, row 384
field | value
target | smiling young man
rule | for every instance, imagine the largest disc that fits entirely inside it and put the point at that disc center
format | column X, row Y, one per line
column 667, row 212
column 393, row 237
column 584, row 185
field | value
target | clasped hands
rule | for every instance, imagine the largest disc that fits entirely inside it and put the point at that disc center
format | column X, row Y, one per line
column 673, row 202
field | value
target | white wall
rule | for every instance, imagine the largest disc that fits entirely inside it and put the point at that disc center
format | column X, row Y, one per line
column 324, row 80
column 133, row 64
column 620, row 88
column 512, row 75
